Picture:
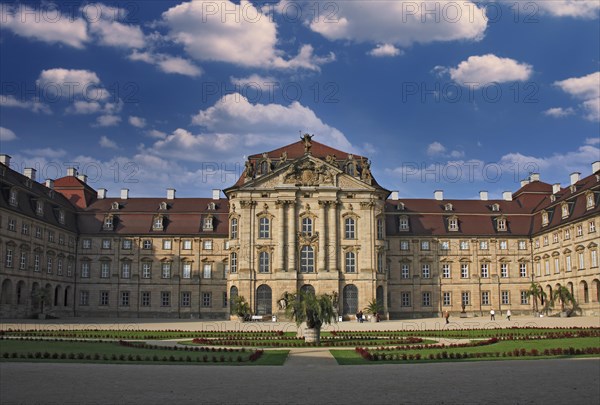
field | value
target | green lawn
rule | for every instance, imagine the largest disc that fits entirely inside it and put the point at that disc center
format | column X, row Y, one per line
column 112, row 352
column 351, row 357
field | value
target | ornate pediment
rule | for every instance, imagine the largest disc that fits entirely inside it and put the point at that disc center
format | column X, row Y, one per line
column 308, row 173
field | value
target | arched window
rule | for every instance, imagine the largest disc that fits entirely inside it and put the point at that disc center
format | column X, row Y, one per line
column 307, row 289
column 263, row 262
column 379, row 296
column 307, row 226
column 350, row 262
column 233, row 262
column 264, row 230
column 350, row 228
column 350, row 297
column 233, row 293
column 233, row 228
column 307, row 259
column 263, row 300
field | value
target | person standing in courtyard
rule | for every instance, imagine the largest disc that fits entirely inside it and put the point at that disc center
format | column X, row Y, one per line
column 447, row 316
column 492, row 315
column 508, row 314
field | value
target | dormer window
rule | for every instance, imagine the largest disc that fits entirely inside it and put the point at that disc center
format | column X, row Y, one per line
column 501, row 224
column 28, row 183
column 12, row 197
column 263, row 167
column 108, row 223
column 589, row 201
column 114, row 206
column 157, row 223
column 453, row 224
column 163, row 206
column 544, row 218
column 207, row 224
column 448, row 207
column 39, row 208
column 495, row 207
column 211, row 206
column 565, row 211
column 403, row 224
column 400, row 206
column 61, row 217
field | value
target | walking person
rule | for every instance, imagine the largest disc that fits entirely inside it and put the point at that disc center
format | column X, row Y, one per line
column 447, row 316
column 508, row 314
column 492, row 315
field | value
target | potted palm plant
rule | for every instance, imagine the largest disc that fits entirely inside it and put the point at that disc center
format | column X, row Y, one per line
column 564, row 296
column 374, row 308
column 315, row 310
column 240, row 308
column 536, row 292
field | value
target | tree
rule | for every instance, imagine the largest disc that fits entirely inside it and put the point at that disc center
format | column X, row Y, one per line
column 536, row 292
column 240, row 307
column 315, row 310
column 564, row 296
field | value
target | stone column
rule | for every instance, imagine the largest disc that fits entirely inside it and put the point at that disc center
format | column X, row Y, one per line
column 291, row 240
column 332, row 236
column 322, row 235
column 280, row 236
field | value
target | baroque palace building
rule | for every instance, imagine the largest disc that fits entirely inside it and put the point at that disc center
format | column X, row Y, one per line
column 301, row 217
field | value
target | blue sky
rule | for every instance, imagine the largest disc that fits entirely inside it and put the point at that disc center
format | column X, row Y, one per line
column 460, row 96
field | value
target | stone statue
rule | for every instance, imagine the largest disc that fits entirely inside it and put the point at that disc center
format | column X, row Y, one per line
column 307, row 140
column 249, row 172
column 283, row 158
column 332, row 160
column 366, row 170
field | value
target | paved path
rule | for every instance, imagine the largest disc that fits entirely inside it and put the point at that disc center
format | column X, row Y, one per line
column 314, row 357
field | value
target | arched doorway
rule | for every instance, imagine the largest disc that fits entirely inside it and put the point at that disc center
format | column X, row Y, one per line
column 350, row 299
column 57, row 295
column 379, row 296
column 20, row 292
column 585, row 294
column 6, row 292
column 596, row 289
column 264, row 299
column 307, row 289
column 67, row 294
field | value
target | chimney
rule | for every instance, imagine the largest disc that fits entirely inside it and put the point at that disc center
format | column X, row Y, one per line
column 575, row 177
column 5, row 160
column 124, row 193
column 102, row 193
column 29, row 172
column 438, row 195
column 82, row 177
column 216, row 194
column 507, row 196
column 556, row 188
column 50, row 184
column 595, row 166
column 171, row 193
column 534, row 177
column 524, row 183
column 71, row 171
column 394, row 196
column 483, row 195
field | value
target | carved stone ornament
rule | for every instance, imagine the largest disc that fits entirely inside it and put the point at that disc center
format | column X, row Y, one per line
column 307, row 173
column 305, row 239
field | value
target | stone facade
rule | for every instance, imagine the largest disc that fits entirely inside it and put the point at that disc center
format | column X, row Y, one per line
column 305, row 216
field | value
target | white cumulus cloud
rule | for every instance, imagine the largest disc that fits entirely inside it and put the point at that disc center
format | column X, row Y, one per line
column 584, row 9
column 105, row 142
column 7, row 135
column 137, row 122
column 559, row 112
column 31, row 105
column 107, row 121
column 382, row 50
column 480, row 70
column 167, row 63
column 586, row 89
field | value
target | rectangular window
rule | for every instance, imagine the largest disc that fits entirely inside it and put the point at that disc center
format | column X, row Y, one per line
column 208, row 245
column 547, row 267
column 49, row 265
column 206, row 300
column 264, row 228
column 146, row 270
column 404, row 245
column 523, row 270
column 380, row 262
column 446, row 298
column 38, row 232
column 104, row 270
column 51, row 236
column 546, row 240
column 567, row 234
column 445, row 245
column 484, row 245
column 84, row 298
column 453, row 224
column 207, row 271
column 69, row 268
column 405, row 271
column 124, row 298
column 85, row 269
column 594, row 258
column 555, row 237
column 485, row 298
column 127, row 244
column 167, row 244
column 187, row 244
column 125, row 270
column 23, row 263
column 9, row 257
column 380, row 233
column 166, row 270
column 537, row 243
column 538, row 269
column 524, row 298
column 186, row 298
column 485, row 270
column 502, row 225
column 504, row 270
column 234, row 228
column 103, row 298
column 425, row 271
column 581, row 261
column 464, row 270
column 224, row 300
column 233, row 262
column 86, row 243
column 556, row 265
column 165, row 299
column 445, row 270
column 426, row 299
column 105, row 243
column 505, row 297
column 145, row 299
column 350, row 228
column 464, row 245
column 424, row 245
column 503, row 245
column 350, row 262
column 59, row 266
column 147, row 244
column 591, row 227
column 25, row 228
column 12, row 225
column 61, row 239
column 405, row 299
column 522, row 245
column 579, row 230
column 187, row 270
column 465, row 298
